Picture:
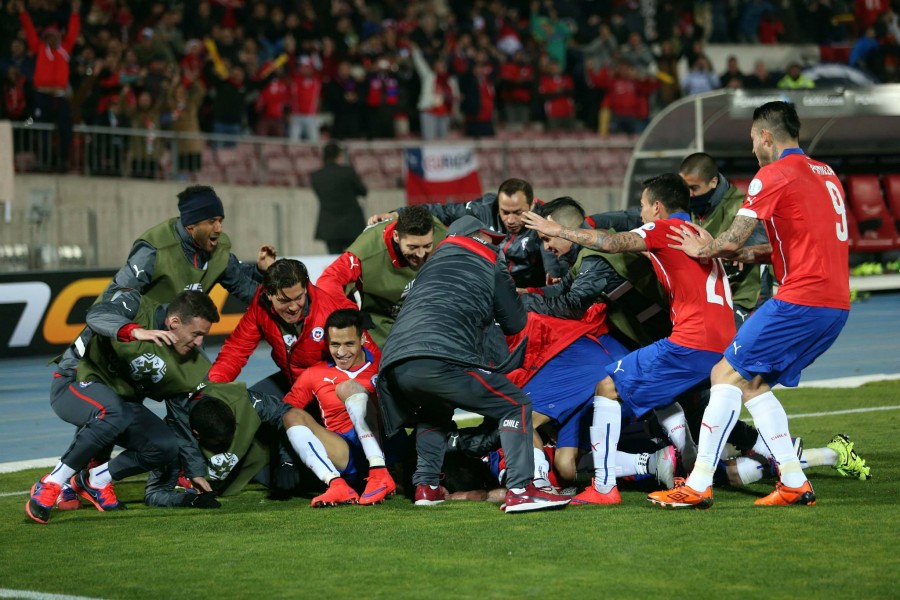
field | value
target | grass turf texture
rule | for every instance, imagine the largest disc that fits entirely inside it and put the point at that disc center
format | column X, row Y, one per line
column 845, row 546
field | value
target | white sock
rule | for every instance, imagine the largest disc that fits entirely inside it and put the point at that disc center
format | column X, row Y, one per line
column 357, row 406
column 312, row 452
column 635, row 464
column 744, row 470
column 100, row 477
column 61, row 474
column 674, row 422
column 718, row 420
column 541, row 468
column 760, row 447
column 607, row 425
column 771, row 422
column 818, row 457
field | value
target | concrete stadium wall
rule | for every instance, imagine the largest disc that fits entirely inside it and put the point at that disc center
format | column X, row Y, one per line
column 104, row 215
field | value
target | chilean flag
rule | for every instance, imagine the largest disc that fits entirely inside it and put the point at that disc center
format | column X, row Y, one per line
column 440, row 174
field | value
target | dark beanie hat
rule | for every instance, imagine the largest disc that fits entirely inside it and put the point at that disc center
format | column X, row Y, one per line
column 199, row 205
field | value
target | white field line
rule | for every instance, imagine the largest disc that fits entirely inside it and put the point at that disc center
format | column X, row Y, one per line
column 29, row 595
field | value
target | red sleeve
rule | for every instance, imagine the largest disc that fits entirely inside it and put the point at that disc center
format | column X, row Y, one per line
column 72, row 32
column 762, row 193
column 126, row 332
column 239, row 345
column 345, row 269
column 301, row 393
column 34, row 43
column 654, row 234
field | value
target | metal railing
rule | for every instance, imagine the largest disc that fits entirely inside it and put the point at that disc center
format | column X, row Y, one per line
column 574, row 159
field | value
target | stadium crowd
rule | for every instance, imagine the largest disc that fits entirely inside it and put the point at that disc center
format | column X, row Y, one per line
column 392, row 68
column 624, row 355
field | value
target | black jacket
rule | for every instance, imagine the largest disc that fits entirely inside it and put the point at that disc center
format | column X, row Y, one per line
column 340, row 217
column 528, row 262
column 460, row 296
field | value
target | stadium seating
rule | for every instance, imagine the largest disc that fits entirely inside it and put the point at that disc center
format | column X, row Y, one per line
column 740, row 183
column 892, row 192
column 876, row 227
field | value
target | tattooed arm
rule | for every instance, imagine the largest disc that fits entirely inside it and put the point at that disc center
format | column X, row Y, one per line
column 754, row 254
column 697, row 242
column 587, row 238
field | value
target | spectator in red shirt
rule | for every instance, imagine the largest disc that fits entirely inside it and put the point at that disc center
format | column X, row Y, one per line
column 271, row 104
column 15, row 97
column 627, row 98
column 51, row 76
column 556, row 90
column 305, row 92
column 517, row 89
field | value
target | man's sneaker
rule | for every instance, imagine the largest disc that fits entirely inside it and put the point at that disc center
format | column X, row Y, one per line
column 532, row 498
column 849, row 463
column 785, row 496
column 682, row 496
column 104, row 499
column 379, row 486
column 427, row 495
column 665, row 466
column 337, row 494
column 68, row 499
column 43, row 496
column 590, row 495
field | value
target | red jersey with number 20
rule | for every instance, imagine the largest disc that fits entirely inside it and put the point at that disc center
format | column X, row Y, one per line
column 701, row 311
column 319, row 381
column 801, row 202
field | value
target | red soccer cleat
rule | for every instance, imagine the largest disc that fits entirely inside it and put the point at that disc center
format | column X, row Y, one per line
column 590, row 495
column 379, row 485
column 337, row 494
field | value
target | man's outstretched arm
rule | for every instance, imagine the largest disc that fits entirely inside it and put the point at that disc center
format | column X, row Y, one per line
column 589, row 238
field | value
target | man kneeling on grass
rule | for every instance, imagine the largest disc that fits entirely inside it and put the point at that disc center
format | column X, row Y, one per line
column 225, row 419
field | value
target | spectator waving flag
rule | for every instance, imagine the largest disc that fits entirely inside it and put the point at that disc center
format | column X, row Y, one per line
column 441, row 174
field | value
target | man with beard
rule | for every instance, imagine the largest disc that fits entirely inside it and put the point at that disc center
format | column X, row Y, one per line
column 502, row 212
column 382, row 264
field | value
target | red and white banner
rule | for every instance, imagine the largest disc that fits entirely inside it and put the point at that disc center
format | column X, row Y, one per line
column 441, row 174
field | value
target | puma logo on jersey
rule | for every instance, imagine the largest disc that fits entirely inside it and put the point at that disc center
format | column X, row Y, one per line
column 353, row 262
column 619, row 368
column 736, row 347
column 137, row 271
column 257, row 401
column 331, row 381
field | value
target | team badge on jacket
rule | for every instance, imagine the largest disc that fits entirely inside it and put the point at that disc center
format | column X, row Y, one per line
column 148, row 366
column 318, row 334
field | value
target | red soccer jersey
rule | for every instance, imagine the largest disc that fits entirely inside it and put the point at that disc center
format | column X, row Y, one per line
column 699, row 296
column 319, row 382
column 801, row 202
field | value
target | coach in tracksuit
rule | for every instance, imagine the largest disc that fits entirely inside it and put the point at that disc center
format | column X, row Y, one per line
column 433, row 360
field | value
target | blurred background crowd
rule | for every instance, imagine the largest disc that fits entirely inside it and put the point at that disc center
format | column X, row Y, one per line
column 373, row 69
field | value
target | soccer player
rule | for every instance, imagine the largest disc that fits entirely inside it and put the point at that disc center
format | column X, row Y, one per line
column 434, row 361
column 382, row 263
column 343, row 388
column 562, row 358
column 502, row 212
column 139, row 349
column 625, row 283
column 702, row 323
column 289, row 313
column 801, row 202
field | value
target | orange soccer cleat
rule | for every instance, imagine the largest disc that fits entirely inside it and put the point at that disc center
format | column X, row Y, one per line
column 337, row 494
column 682, row 496
column 785, row 496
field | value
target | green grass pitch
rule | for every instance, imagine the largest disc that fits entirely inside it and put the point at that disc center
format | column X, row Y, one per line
column 845, row 546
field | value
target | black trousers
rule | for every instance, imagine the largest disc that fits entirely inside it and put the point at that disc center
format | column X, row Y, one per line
column 104, row 419
column 434, row 388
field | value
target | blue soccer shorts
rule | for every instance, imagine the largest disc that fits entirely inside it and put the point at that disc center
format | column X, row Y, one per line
column 652, row 376
column 781, row 339
column 564, row 387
